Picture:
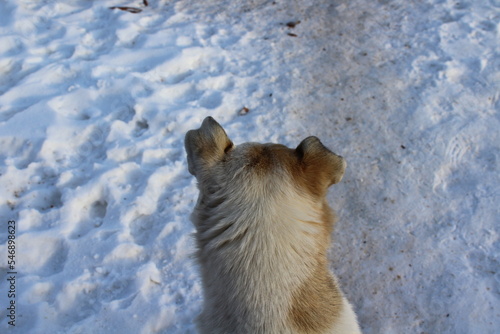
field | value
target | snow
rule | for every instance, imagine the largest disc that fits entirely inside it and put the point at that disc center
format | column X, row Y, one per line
column 95, row 102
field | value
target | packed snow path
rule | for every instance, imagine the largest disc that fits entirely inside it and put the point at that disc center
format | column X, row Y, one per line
column 95, row 102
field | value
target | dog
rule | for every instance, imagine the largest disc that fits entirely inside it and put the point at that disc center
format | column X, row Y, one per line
column 263, row 228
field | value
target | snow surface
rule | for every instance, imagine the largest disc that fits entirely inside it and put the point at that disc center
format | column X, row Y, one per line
column 95, row 102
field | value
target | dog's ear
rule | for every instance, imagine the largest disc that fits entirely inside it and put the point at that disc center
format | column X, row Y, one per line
column 321, row 167
column 206, row 146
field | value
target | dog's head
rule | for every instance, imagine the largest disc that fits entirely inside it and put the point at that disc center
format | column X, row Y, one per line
column 210, row 153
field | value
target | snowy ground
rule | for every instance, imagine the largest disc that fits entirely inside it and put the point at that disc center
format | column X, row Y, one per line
column 95, row 102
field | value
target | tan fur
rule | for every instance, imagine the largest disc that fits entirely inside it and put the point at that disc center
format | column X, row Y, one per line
column 317, row 303
column 262, row 230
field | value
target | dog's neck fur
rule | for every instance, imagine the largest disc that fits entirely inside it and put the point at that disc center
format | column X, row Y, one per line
column 258, row 240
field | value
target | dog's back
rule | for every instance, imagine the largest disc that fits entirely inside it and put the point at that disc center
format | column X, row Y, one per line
column 263, row 228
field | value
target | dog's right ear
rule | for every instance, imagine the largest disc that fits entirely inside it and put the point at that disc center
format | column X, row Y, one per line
column 206, row 146
column 321, row 167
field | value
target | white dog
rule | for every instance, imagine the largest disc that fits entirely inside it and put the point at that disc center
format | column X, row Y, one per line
column 262, row 229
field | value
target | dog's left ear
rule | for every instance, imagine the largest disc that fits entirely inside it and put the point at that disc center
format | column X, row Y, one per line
column 321, row 167
column 206, row 146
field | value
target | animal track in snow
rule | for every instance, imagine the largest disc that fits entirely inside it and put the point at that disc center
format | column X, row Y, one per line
column 211, row 100
column 457, row 148
column 98, row 212
column 84, row 213
column 141, row 126
column 144, row 228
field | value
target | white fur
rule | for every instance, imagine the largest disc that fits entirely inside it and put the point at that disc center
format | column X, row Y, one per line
column 259, row 260
column 270, row 261
column 347, row 322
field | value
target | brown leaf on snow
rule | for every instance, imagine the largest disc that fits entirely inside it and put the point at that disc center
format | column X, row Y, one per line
column 244, row 111
column 292, row 24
